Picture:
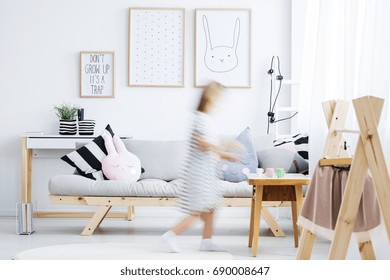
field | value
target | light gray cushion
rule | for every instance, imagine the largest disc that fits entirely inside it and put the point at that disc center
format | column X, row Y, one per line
column 235, row 171
column 160, row 159
column 291, row 161
column 76, row 185
column 264, row 141
column 260, row 141
column 240, row 189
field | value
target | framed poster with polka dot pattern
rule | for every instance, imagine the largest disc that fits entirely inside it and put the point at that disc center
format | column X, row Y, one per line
column 156, row 47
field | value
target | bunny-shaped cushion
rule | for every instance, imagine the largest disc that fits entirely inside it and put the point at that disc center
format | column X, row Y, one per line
column 120, row 164
column 237, row 171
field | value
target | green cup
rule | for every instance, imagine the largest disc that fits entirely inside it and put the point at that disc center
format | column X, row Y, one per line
column 280, row 172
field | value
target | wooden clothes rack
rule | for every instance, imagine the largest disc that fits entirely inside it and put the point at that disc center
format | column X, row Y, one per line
column 368, row 156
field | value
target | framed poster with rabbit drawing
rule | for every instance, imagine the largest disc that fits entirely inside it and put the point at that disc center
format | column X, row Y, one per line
column 223, row 47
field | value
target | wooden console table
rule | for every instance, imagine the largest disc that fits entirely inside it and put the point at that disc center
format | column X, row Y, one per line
column 288, row 188
column 49, row 142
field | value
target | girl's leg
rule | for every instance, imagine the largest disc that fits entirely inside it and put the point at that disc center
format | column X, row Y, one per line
column 184, row 224
column 208, row 224
column 170, row 236
column 207, row 244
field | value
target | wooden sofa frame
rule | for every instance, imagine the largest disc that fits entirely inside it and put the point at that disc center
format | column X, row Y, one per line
column 105, row 204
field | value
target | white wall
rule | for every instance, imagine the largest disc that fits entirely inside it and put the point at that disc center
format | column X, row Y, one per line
column 39, row 67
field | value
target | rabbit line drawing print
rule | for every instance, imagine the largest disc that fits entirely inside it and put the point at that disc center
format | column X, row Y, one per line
column 219, row 58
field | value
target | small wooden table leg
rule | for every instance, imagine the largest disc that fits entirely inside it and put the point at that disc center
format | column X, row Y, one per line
column 294, row 222
column 252, row 218
column 299, row 196
column 257, row 215
column 296, row 210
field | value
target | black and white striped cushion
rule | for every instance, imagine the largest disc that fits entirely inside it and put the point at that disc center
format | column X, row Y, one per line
column 300, row 141
column 88, row 159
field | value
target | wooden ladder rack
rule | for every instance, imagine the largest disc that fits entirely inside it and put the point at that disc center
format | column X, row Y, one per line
column 368, row 156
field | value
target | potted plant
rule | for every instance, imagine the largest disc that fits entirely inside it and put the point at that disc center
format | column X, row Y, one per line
column 67, row 115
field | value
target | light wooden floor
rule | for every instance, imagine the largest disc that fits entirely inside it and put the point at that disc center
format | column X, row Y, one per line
column 230, row 233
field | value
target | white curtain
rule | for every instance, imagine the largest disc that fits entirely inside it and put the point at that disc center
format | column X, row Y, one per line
column 346, row 55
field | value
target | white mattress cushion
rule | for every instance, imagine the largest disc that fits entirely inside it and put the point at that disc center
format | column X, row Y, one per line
column 76, row 185
column 240, row 189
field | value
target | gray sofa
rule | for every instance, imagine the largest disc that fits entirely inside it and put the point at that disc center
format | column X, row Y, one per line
column 159, row 185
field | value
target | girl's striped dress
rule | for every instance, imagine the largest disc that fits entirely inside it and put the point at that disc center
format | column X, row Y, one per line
column 200, row 192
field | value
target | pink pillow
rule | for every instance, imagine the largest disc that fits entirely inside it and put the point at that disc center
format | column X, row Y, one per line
column 120, row 164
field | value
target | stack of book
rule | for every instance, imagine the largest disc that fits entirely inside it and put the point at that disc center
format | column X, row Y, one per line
column 86, row 127
column 24, row 221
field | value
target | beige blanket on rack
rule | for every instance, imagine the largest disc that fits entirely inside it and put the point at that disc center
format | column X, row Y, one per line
column 323, row 200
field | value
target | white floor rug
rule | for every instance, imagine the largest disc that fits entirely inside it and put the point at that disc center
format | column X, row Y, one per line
column 116, row 251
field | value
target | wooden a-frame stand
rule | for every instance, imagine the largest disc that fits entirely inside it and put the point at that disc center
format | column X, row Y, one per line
column 368, row 156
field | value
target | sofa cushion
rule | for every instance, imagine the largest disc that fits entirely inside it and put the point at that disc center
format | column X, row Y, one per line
column 88, row 159
column 260, row 141
column 291, row 161
column 236, row 171
column 230, row 189
column 160, row 159
column 263, row 141
column 74, row 185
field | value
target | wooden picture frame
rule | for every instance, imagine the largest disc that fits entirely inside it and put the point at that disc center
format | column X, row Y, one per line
column 97, row 73
column 223, row 47
column 156, row 47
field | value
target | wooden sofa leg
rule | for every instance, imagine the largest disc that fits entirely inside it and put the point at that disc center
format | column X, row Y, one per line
column 130, row 213
column 96, row 220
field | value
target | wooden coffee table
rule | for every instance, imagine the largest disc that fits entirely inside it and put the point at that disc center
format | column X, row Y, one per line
column 288, row 188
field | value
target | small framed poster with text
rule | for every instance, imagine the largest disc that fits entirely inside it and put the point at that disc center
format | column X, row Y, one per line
column 97, row 74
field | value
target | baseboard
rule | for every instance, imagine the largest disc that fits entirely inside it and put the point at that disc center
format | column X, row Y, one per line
column 170, row 212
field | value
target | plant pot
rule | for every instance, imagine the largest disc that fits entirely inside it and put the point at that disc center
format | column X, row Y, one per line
column 68, row 127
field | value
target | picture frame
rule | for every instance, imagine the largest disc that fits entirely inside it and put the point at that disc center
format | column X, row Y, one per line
column 97, row 74
column 223, row 47
column 156, row 47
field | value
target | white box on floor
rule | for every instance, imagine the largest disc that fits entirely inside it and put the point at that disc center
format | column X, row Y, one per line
column 24, row 218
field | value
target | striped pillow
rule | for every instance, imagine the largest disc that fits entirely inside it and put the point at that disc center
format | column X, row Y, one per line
column 300, row 142
column 88, row 159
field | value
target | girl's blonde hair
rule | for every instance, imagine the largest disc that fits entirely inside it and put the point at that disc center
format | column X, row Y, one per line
column 209, row 95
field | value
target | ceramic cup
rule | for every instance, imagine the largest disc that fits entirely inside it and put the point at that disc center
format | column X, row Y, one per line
column 260, row 171
column 270, row 173
column 280, row 172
